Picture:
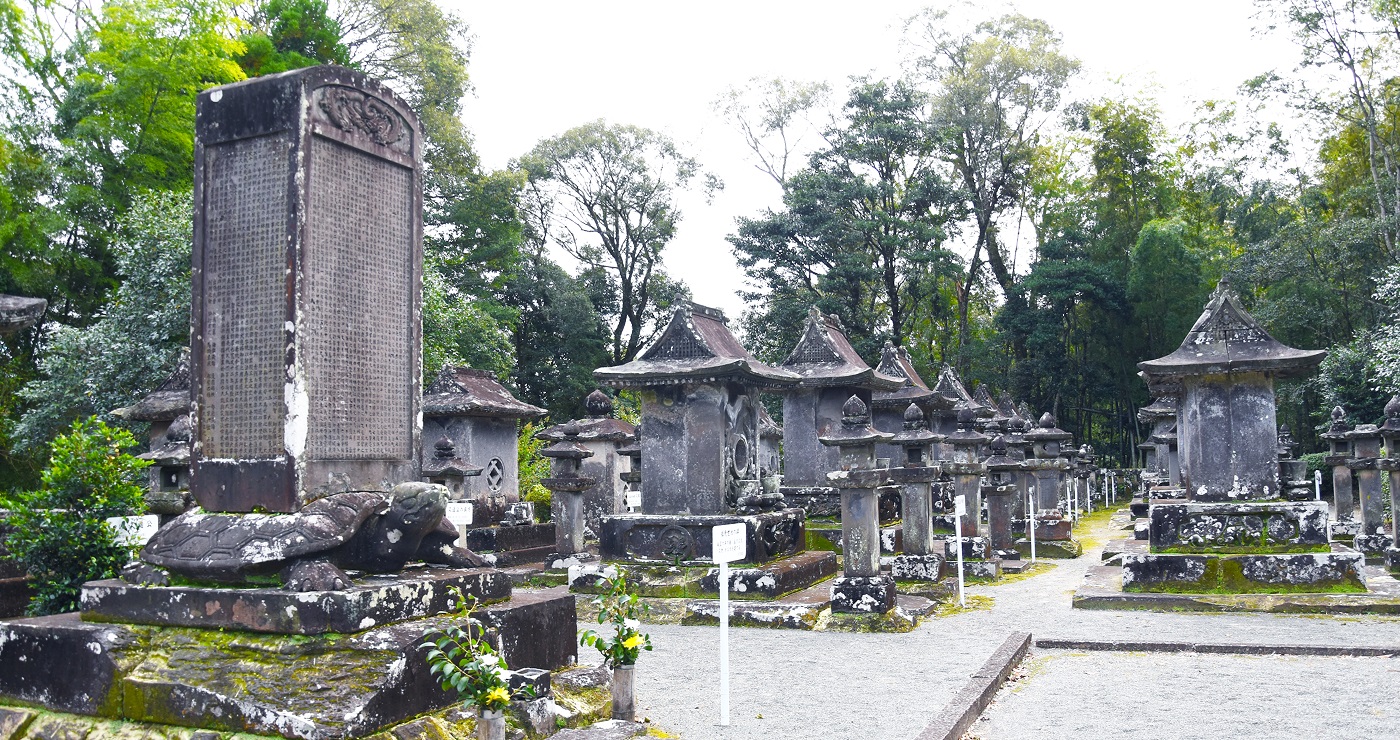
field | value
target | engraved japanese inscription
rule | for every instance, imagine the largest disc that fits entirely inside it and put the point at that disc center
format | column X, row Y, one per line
column 358, row 341
column 244, row 297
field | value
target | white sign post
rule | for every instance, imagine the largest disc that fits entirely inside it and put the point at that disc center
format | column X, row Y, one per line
column 134, row 531
column 730, row 543
column 959, row 511
column 1030, row 522
column 460, row 514
column 634, row 500
column 1317, row 484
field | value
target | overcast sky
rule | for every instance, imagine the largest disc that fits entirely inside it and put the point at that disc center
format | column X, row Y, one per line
column 540, row 68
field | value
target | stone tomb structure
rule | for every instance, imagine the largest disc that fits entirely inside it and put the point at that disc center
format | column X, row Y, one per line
column 1235, row 534
column 699, row 462
column 1160, row 418
column 472, row 414
column 605, row 435
column 306, row 412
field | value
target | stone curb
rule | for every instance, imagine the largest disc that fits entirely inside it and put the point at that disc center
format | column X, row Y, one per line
column 1226, row 648
column 967, row 705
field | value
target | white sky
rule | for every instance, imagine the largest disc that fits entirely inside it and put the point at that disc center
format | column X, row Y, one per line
column 540, row 68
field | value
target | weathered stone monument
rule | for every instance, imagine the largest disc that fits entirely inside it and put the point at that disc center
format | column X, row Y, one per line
column 167, row 410
column 915, row 472
column 1053, row 529
column 862, row 588
column 288, row 605
column 887, row 408
column 1391, row 464
column 699, row 457
column 18, row 312
column 1235, row 534
column 601, row 433
column 1163, row 462
column 1343, row 485
column 829, row 372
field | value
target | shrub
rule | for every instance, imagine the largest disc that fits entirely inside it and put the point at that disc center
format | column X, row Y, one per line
column 534, row 468
column 60, row 533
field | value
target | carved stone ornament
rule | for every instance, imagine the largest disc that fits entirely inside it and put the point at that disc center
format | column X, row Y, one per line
column 356, row 112
column 676, row 543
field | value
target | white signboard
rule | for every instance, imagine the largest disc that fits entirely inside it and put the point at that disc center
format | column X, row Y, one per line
column 460, row 514
column 134, row 531
column 960, row 505
column 730, row 542
column 634, row 499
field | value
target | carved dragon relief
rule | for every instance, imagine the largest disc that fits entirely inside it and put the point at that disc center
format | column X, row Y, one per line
column 360, row 114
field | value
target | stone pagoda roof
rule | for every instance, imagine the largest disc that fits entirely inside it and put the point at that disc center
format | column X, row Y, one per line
column 1226, row 339
column 464, row 391
column 599, row 425
column 767, row 428
column 174, row 446
column 169, row 400
column 824, row 357
column 18, row 312
column 951, row 387
column 695, row 347
column 895, row 362
column 1160, row 408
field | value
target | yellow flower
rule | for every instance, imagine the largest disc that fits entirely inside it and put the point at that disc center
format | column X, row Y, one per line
column 496, row 697
column 632, row 641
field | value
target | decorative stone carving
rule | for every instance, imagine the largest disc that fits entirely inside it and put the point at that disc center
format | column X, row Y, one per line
column 1255, row 528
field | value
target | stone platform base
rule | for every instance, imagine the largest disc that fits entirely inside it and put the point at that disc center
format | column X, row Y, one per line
column 917, row 567
column 825, row 501
column 1330, row 572
column 672, row 538
column 1053, row 549
column 14, row 596
column 862, row 594
column 1392, row 560
column 766, row 581
column 322, row 686
column 372, row 601
column 1373, row 546
column 1345, row 529
column 827, row 536
column 512, row 545
column 1103, row 589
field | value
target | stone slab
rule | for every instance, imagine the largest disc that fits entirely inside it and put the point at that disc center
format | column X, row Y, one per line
column 1103, row 589
column 917, row 567
column 1238, row 527
column 671, row 538
column 1315, row 572
column 765, row 581
column 327, row 686
column 518, row 537
column 825, row 536
column 13, row 721
column 372, row 601
column 863, row 594
column 1218, row 648
column 1053, row 549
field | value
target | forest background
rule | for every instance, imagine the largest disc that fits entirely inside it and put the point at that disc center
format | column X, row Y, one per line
column 554, row 265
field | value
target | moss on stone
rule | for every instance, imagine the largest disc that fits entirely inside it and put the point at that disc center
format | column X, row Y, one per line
column 975, row 602
column 1225, row 575
column 1243, row 549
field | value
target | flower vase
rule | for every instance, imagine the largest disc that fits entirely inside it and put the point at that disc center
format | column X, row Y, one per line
column 491, row 724
column 624, row 698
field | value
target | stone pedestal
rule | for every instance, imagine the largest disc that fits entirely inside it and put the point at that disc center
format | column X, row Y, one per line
column 567, row 487
column 1366, row 469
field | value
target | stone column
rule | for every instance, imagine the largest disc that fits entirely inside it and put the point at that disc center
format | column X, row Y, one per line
column 915, row 476
column 1343, row 502
column 861, row 588
column 1391, row 464
column 1000, row 491
column 567, row 487
column 1365, row 466
column 966, row 469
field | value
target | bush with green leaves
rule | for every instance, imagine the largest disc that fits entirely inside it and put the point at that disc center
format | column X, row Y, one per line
column 465, row 662
column 623, row 610
column 60, row 532
column 534, row 468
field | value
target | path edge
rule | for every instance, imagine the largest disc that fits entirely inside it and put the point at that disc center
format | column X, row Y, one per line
column 967, row 705
column 1227, row 648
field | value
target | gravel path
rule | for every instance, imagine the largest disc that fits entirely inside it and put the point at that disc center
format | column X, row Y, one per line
column 889, row 686
column 1131, row 695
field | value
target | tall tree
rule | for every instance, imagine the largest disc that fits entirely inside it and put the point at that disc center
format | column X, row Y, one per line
column 993, row 89
column 775, row 117
column 608, row 191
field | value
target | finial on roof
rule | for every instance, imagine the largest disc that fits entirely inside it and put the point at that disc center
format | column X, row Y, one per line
column 598, row 404
column 1047, row 421
column 855, row 409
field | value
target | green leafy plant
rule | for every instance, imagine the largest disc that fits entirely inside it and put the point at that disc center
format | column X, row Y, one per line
column 60, row 532
column 534, row 468
column 623, row 610
column 466, row 663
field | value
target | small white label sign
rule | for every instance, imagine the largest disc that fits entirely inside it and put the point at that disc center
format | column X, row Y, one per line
column 459, row 513
column 730, row 542
column 134, row 530
column 960, row 505
column 634, row 499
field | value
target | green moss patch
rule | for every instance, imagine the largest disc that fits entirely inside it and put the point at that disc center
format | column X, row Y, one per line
column 1243, row 549
column 1226, row 576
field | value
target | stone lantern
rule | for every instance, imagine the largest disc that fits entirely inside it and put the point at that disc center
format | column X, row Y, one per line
column 1391, row 464
column 604, row 435
column 1017, row 448
column 1162, row 464
column 446, row 468
column 1046, row 440
column 1001, row 490
column 1366, row 469
column 567, row 485
column 887, row 408
column 915, row 474
column 1293, row 473
column 167, row 408
column 861, row 588
column 1340, row 454
column 965, row 468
